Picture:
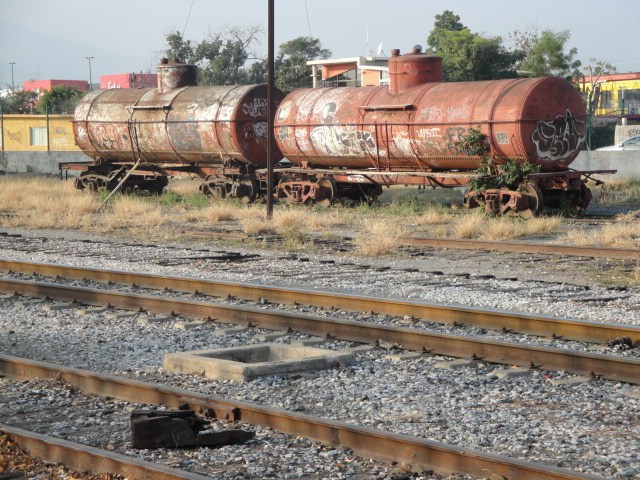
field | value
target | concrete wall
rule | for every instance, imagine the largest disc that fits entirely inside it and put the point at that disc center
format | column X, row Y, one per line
column 626, row 163
column 37, row 162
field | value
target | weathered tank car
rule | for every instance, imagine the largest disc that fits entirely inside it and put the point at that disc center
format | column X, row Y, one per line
column 338, row 142
column 139, row 136
column 410, row 132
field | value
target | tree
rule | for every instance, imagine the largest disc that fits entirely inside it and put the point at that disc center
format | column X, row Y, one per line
column 60, row 99
column 291, row 66
column 470, row 56
column 545, row 54
column 19, row 101
column 221, row 58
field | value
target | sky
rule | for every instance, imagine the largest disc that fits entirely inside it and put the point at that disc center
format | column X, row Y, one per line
column 51, row 40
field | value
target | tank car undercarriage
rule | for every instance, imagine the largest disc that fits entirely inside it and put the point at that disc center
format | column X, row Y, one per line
column 324, row 187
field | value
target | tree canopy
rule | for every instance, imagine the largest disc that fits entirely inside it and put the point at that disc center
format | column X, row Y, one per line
column 223, row 58
column 19, row 101
column 545, row 55
column 470, row 56
column 60, row 99
column 291, row 66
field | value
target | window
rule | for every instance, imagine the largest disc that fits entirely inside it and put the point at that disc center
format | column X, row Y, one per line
column 38, row 136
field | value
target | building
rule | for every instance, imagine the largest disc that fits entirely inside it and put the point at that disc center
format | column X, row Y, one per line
column 350, row 72
column 129, row 80
column 40, row 86
column 617, row 94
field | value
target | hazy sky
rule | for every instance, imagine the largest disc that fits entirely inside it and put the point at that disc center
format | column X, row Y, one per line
column 51, row 40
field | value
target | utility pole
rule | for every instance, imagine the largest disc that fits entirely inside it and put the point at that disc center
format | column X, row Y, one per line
column 270, row 112
column 90, row 82
column 13, row 87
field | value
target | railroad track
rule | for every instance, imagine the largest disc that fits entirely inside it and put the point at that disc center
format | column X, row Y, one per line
column 522, row 247
column 463, row 346
column 491, row 319
column 85, row 458
column 364, row 441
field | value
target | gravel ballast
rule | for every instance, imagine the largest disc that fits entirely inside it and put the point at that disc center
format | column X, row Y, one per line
column 591, row 427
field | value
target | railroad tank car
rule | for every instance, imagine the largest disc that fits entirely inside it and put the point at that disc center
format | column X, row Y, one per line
column 176, row 126
column 416, row 125
column 345, row 142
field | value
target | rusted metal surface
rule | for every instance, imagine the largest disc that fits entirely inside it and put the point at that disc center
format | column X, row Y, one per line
column 493, row 319
column 614, row 368
column 177, row 122
column 366, row 442
column 82, row 457
column 516, row 247
column 542, row 120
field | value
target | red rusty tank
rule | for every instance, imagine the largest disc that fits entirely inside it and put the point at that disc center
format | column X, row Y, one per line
column 416, row 122
column 178, row 122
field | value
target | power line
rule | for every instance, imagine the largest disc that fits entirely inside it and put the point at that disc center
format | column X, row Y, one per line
column 188, row 16
column 308, row 22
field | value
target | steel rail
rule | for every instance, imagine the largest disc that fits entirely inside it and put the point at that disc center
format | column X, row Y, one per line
column 491, row 319
column 364, row 441
column 84, row 458
column 517, row 247
column 509, row 353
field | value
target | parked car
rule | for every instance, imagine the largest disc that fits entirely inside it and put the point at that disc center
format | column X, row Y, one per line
column 631, row 143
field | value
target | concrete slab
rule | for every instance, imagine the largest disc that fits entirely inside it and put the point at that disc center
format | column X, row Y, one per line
column 571, row 381
column 268, row 337
column 221, row 332
column 253, row 361
column 148, row 319
column 120, row 315
column 634, row 393
column 403, row 357
column 455, row 364
column 361, row 348
column 88, row 311
column 189, row 325
column 309, row 342
column 51, row 307
column 506, row 374
column 30, row 303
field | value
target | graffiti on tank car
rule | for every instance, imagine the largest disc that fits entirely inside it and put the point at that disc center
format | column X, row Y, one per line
column 336, row 139
column 284, row 110
column 284, row 133
column 256, row 130
column 559, row 138
column 257, row 108
column 185, row 135
column 403, row 143
column 454, row 135
column 428, row 133
column 81, row 133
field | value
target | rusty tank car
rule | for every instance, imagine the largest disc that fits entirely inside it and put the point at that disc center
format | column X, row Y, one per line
column 219, row 133
column 359, row 138
column 345, row 142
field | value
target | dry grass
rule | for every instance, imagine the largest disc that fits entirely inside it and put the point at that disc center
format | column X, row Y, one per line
column 49, row 203
column 38, row 202
column 378, row 236
column 623, row 234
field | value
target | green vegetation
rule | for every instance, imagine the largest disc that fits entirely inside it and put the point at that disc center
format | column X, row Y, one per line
column 229, row 58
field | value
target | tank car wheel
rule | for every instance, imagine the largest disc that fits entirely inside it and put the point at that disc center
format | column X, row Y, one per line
column 535, row 200
column 326, row 192
column 246, row 189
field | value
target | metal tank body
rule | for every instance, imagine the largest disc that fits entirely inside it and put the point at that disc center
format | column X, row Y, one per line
column 415, row 123
column 178, row 123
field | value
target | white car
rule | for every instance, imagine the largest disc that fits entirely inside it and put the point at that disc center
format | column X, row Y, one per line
column 631, row 143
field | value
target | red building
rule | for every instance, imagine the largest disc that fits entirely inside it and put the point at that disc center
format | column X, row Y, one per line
column 42, row 85
column 129, row 80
